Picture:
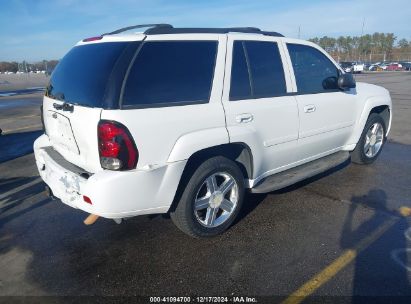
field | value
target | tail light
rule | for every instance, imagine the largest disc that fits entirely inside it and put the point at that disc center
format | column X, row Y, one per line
column 116, row 146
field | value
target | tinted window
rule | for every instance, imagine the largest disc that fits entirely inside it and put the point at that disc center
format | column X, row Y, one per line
column 262, row 60
column 240, row 82
column 81, row 77
column 266, row 68
column 171, row 72
column 314, row 72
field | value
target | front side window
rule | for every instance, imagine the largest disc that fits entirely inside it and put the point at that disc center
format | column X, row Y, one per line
column 314, row 72
column 257, row 70
column 171, row 72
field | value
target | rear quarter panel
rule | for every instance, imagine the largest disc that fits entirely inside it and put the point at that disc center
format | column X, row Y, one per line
column 159, row 131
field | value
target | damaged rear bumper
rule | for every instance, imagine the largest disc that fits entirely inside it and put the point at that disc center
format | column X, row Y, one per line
column 113, row 194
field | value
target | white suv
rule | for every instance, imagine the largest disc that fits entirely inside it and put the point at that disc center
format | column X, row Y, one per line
column 185, row 120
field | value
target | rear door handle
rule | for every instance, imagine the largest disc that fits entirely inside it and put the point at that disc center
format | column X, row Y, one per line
column 244, row 118
column 309, row 108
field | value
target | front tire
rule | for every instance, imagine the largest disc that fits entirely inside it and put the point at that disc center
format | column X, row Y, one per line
column 211, row 200
column 371, row 141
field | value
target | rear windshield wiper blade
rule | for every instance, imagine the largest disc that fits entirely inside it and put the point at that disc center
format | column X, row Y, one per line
column 58, row 96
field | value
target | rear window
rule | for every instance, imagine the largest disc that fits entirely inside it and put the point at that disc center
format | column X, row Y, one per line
column 171, row 73
column 81, row 77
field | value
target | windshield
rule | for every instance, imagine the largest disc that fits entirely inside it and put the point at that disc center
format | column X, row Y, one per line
column 82, row 76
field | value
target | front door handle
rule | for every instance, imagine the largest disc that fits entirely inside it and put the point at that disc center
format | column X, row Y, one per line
column 309, row 108
column 244, row 118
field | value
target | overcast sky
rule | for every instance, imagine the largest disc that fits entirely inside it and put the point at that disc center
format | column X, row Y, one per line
column 38, row 29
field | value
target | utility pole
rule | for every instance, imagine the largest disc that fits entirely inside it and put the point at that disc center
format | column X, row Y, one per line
column 361, row 38
column 45, row 66
column 362, row 29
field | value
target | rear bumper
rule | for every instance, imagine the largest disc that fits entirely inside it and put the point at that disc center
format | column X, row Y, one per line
column 114, row 194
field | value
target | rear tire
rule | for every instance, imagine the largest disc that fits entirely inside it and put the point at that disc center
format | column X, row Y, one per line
column 211, row 200
column 371, row 141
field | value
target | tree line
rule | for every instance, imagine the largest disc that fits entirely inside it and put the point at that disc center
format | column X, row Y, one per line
column 369, row 47
column 13, row 66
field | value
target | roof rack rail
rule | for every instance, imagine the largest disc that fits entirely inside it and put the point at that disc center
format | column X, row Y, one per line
column 164, row 28
column 152, row 26
column 173, row 30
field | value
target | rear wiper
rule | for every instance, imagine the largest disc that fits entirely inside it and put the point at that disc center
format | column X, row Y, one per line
column 59, row 96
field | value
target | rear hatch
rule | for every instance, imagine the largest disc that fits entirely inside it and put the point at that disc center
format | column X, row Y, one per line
column 86, row 81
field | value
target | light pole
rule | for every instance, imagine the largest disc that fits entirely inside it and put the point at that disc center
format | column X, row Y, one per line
column 361, row 38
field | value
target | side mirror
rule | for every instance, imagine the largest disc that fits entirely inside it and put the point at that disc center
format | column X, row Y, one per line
column 346, row 81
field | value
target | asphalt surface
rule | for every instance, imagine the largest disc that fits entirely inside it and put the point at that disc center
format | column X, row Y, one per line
column 21, row 92
column 348, row 216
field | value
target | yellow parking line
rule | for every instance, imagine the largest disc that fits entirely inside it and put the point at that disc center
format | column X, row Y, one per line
column 405, row 211
column 22, row 128
column 331, row 270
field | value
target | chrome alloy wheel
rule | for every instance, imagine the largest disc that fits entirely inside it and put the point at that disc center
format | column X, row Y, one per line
column 374, row 140
column 216, row 199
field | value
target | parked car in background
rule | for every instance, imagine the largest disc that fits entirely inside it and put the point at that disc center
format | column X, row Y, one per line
column 406, row 65
column 376, row 66
column 347, row 66
column 384, row 65
column 394, row 67
column 358, row 67
column 373, row 67
column 352, row 66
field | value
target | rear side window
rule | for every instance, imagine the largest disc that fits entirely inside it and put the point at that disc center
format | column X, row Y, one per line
column 240, row 87
column 314, row 72
column 171, row 72
column 83, row 74
column 266, row 68
column 260, row 63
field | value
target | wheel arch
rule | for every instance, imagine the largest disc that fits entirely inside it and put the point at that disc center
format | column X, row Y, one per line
column 376, row 105
column 384, row 112
column 238, row 152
